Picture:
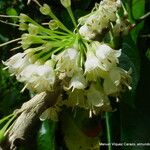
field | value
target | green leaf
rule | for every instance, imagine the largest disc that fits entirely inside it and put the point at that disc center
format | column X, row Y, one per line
column 74, row 138
column 46, row 136
column 148, row 53
column 12, row 12
column 130, row 59
column 135, row 9
column 138, row 8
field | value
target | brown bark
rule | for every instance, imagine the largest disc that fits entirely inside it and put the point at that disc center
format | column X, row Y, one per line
column 27, row 117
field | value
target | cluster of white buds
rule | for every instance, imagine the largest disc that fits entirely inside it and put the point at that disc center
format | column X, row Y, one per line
column 103, row 18
column 88, row 70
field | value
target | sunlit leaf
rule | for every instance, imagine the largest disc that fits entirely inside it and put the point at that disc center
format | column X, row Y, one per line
column 46, row 136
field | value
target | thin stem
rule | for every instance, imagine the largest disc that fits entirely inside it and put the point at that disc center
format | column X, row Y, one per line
column 9, row 42
column 72, row 16
column 18, row 47
column 36, row 2
column 8, row 123
column 5, row 118
column 138, row 21
column 54, row 17
column 60, row 23
column 5, row 16
column 12, row 24
column 145, row 16
column 107, row 119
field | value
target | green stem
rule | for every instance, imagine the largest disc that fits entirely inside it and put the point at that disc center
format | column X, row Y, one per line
column 61, row 25
column 72, row 17
column 108, row 130
column 9, row 42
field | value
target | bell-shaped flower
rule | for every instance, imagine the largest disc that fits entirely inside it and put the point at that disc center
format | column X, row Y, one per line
column 77, row 81
column 93, row 67
column 122, row 27
column 37, row 77
column 106, row 55
column 33, row 29
column 67, row 62
column 87, row 32
column 115, row 82
column 96, row 96
column 17, row 63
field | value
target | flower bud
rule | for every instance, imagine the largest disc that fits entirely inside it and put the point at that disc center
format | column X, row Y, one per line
column 66, row 3
column 53, row 24
column 23, row 18
column 23, row 26
column 45, row 9
column 33, row 29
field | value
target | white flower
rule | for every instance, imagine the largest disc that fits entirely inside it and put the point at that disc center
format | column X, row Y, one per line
column 38, row 77
column 93, row 67
column 67, row 62
column 28, row 73
column 77, row 81
column 96, row 96
column 17, row 63
column 121, row 27
column 98, row 19
column 117, row 79
column 106, row 55
column 91, row 62
column 87, row 32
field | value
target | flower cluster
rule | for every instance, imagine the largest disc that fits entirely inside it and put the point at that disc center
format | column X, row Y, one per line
column 88, row 70
column 104, row 17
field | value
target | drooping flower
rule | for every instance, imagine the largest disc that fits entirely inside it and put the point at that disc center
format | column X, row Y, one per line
column 17, row 63
column 87, row 32
column 106, row 55
column 116, row 81
column 67, row 62
column 96, row 96
column 93, row 66
column 76, row 98
column 38, row 77
column 77, row 81
column 121, row 27
column 87, row 70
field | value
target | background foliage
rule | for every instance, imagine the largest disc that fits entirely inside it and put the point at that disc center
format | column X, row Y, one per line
column 130, row 123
